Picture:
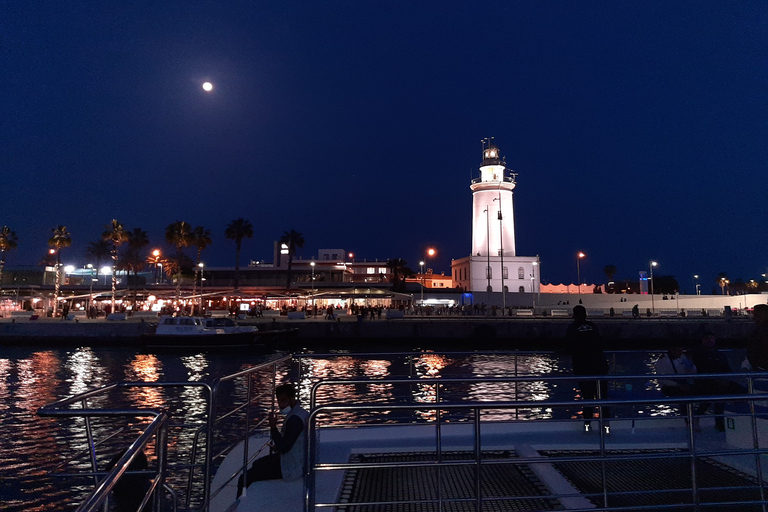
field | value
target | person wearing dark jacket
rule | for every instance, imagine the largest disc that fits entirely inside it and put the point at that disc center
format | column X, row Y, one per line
column 586, row 348
column 710, row 360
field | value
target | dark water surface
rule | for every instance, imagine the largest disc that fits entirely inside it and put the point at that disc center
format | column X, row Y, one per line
column 32, row 446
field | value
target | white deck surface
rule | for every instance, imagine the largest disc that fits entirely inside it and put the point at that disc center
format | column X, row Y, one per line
column 525, row 437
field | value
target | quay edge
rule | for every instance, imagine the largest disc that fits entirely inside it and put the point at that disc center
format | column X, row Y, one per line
column 657, row 332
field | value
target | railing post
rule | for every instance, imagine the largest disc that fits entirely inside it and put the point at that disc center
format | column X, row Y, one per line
column 478, row 462
column 162, row 461
column 692, row 452
column 91, row 445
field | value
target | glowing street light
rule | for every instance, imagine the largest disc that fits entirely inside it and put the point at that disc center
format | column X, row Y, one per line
column 421, row 271
column 696, row 285
column 578, row 268
column 202, row 278
column 653, row 304
column 90, row 292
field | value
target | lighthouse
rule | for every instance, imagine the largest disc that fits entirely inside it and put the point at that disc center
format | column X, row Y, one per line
column 493, row 218
column 493, row 266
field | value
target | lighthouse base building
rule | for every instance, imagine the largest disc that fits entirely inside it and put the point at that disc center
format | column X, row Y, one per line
column 493, row 273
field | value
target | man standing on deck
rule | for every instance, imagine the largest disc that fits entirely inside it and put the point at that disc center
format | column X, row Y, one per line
column 757, row 344
column 288, row 444
column 586, row 349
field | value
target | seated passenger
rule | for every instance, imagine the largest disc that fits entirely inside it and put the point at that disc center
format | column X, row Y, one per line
column 288, row 444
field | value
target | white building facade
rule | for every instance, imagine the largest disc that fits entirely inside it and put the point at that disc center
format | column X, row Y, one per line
column 493, row 265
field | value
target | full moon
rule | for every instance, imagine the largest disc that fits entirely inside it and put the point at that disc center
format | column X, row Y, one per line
column 208, row 86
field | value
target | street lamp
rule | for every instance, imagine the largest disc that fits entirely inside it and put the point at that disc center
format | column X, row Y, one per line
column 696, row 285
column 578, row 268
column 90, row 293
column 533, row 286
column 156, row 254
column 312, row 264
column 501, row 253
column 421, row 271
column 202, row 278
column 653, row 304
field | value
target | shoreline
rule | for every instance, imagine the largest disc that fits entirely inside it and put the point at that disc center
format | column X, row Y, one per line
column 471, row 332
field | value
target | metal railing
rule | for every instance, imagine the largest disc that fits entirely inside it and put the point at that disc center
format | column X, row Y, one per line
column 754, row 493
column 203, row 437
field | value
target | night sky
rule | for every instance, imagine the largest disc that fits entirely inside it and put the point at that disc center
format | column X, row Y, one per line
column 639, row 130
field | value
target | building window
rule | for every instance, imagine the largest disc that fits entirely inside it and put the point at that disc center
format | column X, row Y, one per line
column 371, row 270
column 520, row 273
column 488, row 273
column 522, row 289
column 382, row 270
column 505, row 273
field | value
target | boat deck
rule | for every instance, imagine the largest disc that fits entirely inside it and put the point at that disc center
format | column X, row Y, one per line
column 525, row 466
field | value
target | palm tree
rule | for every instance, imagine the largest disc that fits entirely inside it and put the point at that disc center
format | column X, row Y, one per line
column 399, row 271
column 237, row 230
column 722, row 281
column 201, row 238
column 8, row 241
column 137, row 240
column 179, row 234
column 610, row 271
column 115, row 235
column 61, row 238
column 293, row 239
column 99, row 250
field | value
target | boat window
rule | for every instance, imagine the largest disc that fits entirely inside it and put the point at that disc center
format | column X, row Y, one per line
column 186, row 321
column 168, row 321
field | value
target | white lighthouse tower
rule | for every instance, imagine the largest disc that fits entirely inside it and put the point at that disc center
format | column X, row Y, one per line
column 493, row 266
column 493, row 218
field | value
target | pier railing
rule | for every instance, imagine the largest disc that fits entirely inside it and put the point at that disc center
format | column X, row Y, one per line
column 223, row 421
column 635, row 443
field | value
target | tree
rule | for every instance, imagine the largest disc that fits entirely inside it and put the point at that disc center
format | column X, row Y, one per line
column 665, row 284
column 179, row 234
column 610, row 271
column 293, row 239
column 99, row 250
column 8, row 241
column 61, row 238
column 237, row 230
column 722, row 281
column 132, row 259
column 399, row 273
column 114, row 235
column 201, row 238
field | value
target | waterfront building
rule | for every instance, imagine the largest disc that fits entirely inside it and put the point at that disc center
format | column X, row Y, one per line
column 494, row 266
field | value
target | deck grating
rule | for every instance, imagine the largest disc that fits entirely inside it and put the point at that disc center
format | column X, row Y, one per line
column 657, row 481
column 505, row 487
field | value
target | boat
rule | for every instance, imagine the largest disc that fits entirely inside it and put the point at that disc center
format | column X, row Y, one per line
column 418, row 441
column 200, row 332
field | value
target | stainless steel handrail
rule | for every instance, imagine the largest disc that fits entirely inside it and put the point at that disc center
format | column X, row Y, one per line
column 476, row 407
column 64, row 408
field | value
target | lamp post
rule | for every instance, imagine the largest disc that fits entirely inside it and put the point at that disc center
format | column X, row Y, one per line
column 578, row 269
column 312, row 264
column 696, row 285
column 156, row 254
column 421, row 271
column 653, row 303
column 533, row 287
column 201, row 265
column 90, row 293
column 488, row 252
column 501, row 253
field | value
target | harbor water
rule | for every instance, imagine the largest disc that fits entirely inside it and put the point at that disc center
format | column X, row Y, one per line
column 31, row 447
